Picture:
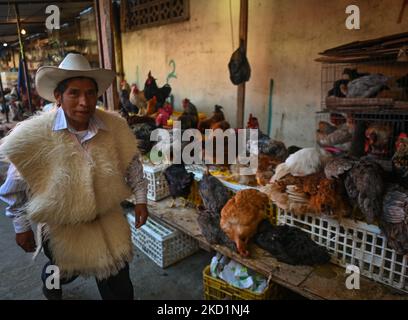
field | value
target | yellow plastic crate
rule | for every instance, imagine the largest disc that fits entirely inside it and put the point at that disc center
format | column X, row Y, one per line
column 217, row 289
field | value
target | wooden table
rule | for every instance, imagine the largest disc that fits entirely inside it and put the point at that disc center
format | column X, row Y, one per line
column 323, row 282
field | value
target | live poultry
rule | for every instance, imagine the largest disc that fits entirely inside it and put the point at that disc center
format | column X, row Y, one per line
column 339, row 89
column 266, row 168
column 302, row 163
column 218, row 116
column 189, row 118
column 367, row 87
column 400, row 160
column 394, row 218
column 222, row 125
column 138, row 99
column 143, row 131
column 332, row 136
column 152, row 90
column 124, row 98
column 209, row 223
column 213, row 193
column 365, row 188
column 164, row 115
column 253, row 122
column 290, row 245
column 180, row 182
column 238, row 175
column 241, row 216
column 266, row 145
column 151, row 106
column 378, row 137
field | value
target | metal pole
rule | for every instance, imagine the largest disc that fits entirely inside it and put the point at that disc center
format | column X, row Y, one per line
column 5, row 107
column 22, row 52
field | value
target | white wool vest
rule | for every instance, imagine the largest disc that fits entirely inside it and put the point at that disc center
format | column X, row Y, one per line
column 77, row 192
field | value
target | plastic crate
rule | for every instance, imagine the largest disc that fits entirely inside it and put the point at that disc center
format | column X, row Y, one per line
column 158, row 188
column 218, row 289
column 354, row 243
column 162, row 243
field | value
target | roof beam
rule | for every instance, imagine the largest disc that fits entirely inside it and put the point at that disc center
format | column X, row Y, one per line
column 4, row 3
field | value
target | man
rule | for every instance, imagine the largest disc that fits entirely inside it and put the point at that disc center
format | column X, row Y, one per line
column 70, row 169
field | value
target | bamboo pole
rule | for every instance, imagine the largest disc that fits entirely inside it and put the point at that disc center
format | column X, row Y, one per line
column 22, row 53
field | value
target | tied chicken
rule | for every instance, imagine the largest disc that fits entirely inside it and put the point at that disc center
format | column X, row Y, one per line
column 241, row 215
column 214, row 195
column 290, row 245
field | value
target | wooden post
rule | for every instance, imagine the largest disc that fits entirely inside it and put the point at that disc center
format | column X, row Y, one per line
column 104, row 27
column 22, row 53
column 118, row 41
column 243, row 37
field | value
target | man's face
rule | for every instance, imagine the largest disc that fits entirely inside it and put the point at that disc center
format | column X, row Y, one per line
column 78, row 102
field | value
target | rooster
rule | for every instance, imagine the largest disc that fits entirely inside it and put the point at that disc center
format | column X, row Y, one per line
column 152, row 90
column 218, row 116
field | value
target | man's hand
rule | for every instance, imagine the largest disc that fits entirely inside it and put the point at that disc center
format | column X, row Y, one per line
column 141, row 215
column 26, row 241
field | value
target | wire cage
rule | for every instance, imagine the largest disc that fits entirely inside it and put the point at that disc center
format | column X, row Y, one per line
column 362, row 132
column 377, row 83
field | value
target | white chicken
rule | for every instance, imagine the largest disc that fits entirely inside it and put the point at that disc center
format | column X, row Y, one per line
column 302, row 163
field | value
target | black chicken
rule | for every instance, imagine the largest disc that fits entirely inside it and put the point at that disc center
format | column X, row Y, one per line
column 209, row 223
column 365, row 188
column 339, row 89
column 189, row 118
column 179, row 180
column 143, row 131
column 290, row 245
column 214, row 194
column 152, row 90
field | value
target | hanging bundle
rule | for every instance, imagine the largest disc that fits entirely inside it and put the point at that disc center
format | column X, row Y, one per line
column 240, row 70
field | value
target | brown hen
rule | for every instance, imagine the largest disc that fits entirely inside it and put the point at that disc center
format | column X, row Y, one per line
column 241, row 215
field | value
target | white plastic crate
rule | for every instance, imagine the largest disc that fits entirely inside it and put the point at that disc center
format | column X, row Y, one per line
column 162, row 243
column 157, row 188
column 354, row 243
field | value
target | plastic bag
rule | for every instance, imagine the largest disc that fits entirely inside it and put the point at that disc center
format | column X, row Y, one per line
column 239, row 68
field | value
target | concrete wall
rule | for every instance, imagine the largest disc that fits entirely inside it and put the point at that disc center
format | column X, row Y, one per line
column 285, row 36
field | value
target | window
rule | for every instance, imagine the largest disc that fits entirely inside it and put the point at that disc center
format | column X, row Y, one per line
column 141, row 14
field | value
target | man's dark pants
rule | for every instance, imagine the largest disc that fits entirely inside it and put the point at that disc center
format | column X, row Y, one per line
column 117, row 287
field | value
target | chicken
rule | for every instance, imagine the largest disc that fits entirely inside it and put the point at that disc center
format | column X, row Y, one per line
column 337, row 167
column 213, row 193
column 209, row 223
column 266, row 168
column 265, row 145
column 253, row 122
column 189, row 118
column 164, row 115
column 138, row 99
column 302, row 163
column 179, row 180
column 400, row 160
column 367, row 87
column 365, row 188
column 143, row 131
column 277, row 195
column 329, row 199
column 218, row 116
column 152, row 90
column 151, row 106
column 124, row 98
column 394, row 218
column 339, row 89
column 290, row 245
column 241, row 215
column 378, row 139
column 340, row 137
column 353, row 74
column 222, row 125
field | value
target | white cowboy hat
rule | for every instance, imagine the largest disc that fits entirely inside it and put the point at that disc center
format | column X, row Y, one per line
column 74, row 65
